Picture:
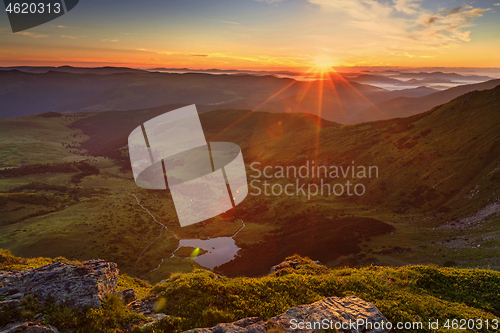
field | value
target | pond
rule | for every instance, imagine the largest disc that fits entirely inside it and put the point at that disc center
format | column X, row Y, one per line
column 220, row 250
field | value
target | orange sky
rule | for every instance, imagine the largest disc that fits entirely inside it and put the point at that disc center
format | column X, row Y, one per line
column 262, row 34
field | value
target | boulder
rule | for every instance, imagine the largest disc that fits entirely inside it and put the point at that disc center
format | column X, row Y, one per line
column 128, row 295
column 66, row 283
column 144, row 306
column 346, row 314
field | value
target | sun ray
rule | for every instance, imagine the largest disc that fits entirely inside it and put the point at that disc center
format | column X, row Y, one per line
column 360, row 94
column 254, row 109
column 320, row 110
column 336, row 94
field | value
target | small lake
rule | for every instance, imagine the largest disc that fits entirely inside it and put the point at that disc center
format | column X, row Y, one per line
column 220, row 250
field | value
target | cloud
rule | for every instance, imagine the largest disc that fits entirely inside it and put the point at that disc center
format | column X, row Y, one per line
column 407, row 6
column 31, row 34
column 71, row 37
column 270, row 1
column 431, row 20
column 404, row 27
column 451, row 11
column 199, row 55
column 231, row 22
column 496, row 4
column 110, row 40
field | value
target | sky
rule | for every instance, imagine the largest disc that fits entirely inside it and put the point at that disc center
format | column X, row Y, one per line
column 261, row 34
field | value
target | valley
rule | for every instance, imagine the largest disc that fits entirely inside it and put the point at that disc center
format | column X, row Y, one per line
column 435, row 200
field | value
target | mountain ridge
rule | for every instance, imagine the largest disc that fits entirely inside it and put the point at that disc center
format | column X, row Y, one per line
column 406, row 106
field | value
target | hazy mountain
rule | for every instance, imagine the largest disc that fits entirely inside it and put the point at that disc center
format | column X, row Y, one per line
column 23, row 93
column 413, row 92
column 405, row 106
column 370, row 78
column 74, row 70
column 441, row 75
column 429, row 80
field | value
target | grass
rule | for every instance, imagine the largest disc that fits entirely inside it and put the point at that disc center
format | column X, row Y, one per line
column 202, row 298
column 409, row 293
column 141, row 287
column 9, row 262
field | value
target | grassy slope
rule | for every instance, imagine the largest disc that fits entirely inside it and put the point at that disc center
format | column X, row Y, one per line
column 405, row 294
column 203, row 299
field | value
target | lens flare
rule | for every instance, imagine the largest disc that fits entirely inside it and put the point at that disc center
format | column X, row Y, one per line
column 195, row 252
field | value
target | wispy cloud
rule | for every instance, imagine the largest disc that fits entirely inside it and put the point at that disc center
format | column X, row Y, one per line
column 31, row 34
column 110, row 40
column 270, row 1
column 404, row 27
column 231, row 22
column 71, row 37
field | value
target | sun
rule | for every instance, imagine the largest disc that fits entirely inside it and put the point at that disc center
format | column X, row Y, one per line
column 322, row 62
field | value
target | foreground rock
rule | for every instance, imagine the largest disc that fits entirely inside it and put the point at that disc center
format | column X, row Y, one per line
column 65, row 283
column 346, row 314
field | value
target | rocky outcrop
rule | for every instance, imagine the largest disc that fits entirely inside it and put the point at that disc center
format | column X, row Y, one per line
column 289, row 263
column 128, row 296
column 65, row 283
column 32, row 327
column 346, row 314
column 147, row 307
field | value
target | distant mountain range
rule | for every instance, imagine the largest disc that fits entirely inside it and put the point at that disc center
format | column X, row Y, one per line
column 30, row 90
column 74, row 70
column 405, row 106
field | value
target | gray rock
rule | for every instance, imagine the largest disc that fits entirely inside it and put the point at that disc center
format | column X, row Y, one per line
column 69, row 284
column 128, row 295
column 31, row 327
column 333, row 311
column 144, row 306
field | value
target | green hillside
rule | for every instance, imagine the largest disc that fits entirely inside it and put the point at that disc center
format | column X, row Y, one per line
column 435, row 200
